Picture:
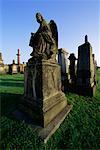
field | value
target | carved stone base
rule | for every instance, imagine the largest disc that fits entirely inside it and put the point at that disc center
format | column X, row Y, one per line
column 44, row 102
column 44, row 132
column 43, row 113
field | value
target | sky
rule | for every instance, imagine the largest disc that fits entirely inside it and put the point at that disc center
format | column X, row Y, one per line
column 74, row 19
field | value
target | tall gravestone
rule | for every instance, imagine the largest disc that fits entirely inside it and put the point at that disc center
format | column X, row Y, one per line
column 63, row 62
column 85, row 69
column 44, row 101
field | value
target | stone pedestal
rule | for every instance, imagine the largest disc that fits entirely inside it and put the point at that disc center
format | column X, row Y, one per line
column 44, row 102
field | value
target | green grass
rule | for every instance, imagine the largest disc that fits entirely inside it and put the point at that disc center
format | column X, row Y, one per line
column 80, row 130
column 11, row 90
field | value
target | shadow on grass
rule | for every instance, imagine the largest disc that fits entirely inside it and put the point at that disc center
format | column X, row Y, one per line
column 12, row 84
column 7, row 80
column 8, row 101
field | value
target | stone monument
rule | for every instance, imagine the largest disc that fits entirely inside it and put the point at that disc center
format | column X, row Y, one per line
column 18, row 57
column 2, row 71
column 18, row 60
column 72, row 71
column 85, row 69
column 13, row 68
column 95, row 67
column 44, row 101
column 20, row 66
column 63, row 62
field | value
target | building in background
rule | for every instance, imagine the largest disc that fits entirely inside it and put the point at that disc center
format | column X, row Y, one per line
column 12, row 68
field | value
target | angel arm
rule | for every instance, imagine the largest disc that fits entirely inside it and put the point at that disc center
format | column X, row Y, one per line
column 31, row 39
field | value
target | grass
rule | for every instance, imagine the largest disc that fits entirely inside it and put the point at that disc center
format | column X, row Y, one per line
column 80, row 130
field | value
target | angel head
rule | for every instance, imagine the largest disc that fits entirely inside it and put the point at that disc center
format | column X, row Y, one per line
column 39, row 17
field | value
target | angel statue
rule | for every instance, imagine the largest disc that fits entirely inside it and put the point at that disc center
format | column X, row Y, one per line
column 45, row 41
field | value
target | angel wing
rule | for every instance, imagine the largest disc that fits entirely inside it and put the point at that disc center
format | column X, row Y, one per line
column 54, row 31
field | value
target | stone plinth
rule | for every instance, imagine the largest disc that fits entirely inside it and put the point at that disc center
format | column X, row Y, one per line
column 42, row 80
column 44, row 101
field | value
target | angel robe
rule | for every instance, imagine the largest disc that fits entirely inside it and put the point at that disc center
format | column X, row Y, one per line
column 42, row 40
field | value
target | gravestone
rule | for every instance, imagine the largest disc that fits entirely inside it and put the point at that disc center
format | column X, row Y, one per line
column 85, row 69
column 72, row 71
column 22, row 66
column 13, row 68
column 44, row 102
column 95, row 67
column 63, row 62
column 2, row 71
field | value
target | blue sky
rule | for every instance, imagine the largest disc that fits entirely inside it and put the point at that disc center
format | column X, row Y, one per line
column 74, row 18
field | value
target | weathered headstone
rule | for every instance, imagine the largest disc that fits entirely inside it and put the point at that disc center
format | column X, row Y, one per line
column 95, row 67
column 13, row 68
column 63, row 62
column 22, row 66
column 72, row 71
column 85, row 69
column 44, row 101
